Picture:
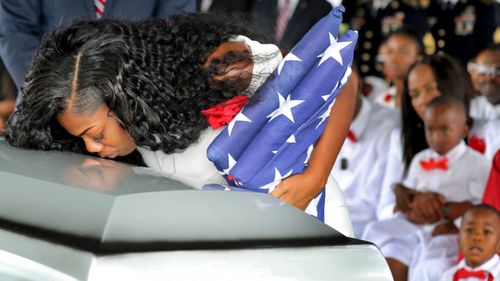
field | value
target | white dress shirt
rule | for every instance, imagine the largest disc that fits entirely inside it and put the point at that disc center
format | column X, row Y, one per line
column 492, row 266
column 360, row 165
column 464, row 180
column 481, row 108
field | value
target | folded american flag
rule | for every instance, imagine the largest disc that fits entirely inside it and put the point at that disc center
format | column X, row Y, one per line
column 273, row 136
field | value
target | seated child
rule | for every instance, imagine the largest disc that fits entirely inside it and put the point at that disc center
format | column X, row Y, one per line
column 479, row 242
column 361, row 161
column 442, row 182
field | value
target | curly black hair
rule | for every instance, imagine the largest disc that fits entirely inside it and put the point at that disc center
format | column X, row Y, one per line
column 149, row 73
column 452, row 80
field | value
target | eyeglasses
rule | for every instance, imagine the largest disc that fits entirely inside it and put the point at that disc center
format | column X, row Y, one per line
column 482, row 69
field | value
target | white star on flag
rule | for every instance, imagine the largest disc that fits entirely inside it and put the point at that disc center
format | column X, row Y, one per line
column 291, row 139
column 325, row 97
column 230, row 163
column 289, row 57
column 285, row 108
column 277, row 179
column 312, row 207
column 333, row 51
column 325, row 114
column 346, row 75
column 309, row 152
column 239, row 117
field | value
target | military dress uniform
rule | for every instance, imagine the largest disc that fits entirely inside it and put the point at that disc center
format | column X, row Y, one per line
column 461, row 28
column 374, row 24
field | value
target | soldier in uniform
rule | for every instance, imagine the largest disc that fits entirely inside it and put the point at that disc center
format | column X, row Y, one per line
column 376, row 19
column 461, row 28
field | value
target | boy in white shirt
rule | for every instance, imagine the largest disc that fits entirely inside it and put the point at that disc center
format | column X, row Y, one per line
column 479, row 242
column 443, row 181
column 359, row 169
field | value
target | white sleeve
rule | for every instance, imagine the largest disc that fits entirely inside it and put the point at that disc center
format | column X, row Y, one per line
column 479, row 178
column 393, row 173
column 411, row 179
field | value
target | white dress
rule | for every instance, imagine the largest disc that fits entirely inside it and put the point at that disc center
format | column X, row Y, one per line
column 193, row 168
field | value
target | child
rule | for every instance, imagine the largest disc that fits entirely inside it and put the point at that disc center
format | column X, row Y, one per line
column 362, row 159
column 442, row 182
column 479, row 241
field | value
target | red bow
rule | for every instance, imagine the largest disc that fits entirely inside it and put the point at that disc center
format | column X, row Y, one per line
column 221, row 114
column 434, row 164
column 479, row 274
column 477, row 144
column 387, row 98
column 351, row 136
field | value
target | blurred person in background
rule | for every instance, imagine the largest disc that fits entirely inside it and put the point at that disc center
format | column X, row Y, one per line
column 402, row 49
column 286, row 21
column 485, row 72
column 375, row 20
column 461, row 28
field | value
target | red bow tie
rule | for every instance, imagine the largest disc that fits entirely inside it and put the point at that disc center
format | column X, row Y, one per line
column 477, row 144
column 432, row 164
column 479, row 274
column 351, row 136
column 221, row 114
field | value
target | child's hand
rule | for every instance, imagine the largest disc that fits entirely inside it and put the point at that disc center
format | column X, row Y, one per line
column 297, row 190
column 444, row 228
column 427, row 207
column 404, row 197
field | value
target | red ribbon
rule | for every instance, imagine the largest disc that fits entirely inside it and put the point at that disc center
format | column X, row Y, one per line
column 477, row 144
column 351, row 136
column 432, row 164
column 479, row 274
column 387, row 98
column 221, row 114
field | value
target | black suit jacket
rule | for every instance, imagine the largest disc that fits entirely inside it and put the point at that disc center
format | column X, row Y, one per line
column 263, row 15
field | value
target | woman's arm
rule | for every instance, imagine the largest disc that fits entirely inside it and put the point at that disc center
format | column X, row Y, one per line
column 300, row 189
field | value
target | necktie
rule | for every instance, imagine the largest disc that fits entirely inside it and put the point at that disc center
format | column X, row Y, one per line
column 282, row 21
column 432, row 164
column 479, row 274
column 99, row 7
column 351, row 136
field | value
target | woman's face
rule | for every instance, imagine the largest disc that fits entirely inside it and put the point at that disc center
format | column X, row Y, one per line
column 400, row 52
column 422, row 88
column 101, row 131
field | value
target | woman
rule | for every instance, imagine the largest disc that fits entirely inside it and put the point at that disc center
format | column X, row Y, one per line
column 400, row 50
column 427, row 79
column 109, row 87
column 434, row 76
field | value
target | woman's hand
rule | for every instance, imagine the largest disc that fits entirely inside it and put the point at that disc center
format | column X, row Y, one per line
column 427, row 207
column 298, row 190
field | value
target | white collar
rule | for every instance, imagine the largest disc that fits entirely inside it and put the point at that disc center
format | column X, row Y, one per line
column 454, row 154
column 359, row 124
column 491, row 266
